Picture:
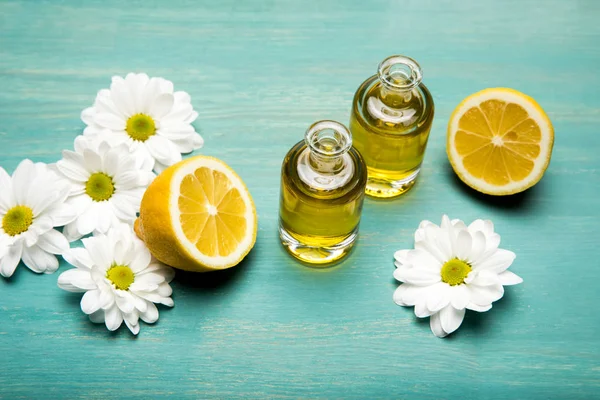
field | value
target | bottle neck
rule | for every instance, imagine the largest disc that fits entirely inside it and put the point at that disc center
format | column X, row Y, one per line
column 399, row 75
column 326, row 164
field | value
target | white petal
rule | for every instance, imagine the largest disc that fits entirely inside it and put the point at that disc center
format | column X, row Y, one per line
column 113, row 318
column 76, row 280
column 104, row 210
column 154, row 297
column 38, row 260
column 135, row 84
column 451, row 318
column 161, row 105
column 21, row 180
column 10, row 260
column 87, row 115
column 110, row 121
column 122, row 208
column 90, row 302
column 71, row 233
column 88, row 220
column 141, row 258
column 164, row 290
column 162, row 150
column 134, row 328
column 151, row 90
column 429, row 244
column 437, row 297
column 146, row 282
column 478, row 308
column 509, row 278
column 79, row 257
column 460, row 296
column 436, row 325
column 100, row 252
column 121, row 96
column 444, row 243
column 477, row 248
column 401, row 256
column 463, row 245
column 140, row 304
column 151, row 314
column 421, row 310
column 62, row 214
column 484, row 295
column 158, row 268
column 497, row 262
column 482, row 278
column 93, row 161
column 97, row 317
column 407, row 294
column 6, row 192
column 71, row 166
column 492, row 242
column 417, row 276
column 166, row 86
column 80, row 203
column 53, row 242
column 124, row 302
column 423, row 260
column 127, row 180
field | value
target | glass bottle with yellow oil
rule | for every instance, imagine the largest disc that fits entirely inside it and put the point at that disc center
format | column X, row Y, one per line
column 323, row 181
column 390, row 122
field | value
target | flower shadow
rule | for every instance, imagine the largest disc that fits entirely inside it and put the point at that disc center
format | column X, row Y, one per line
column 481, row 323
column 87, row 327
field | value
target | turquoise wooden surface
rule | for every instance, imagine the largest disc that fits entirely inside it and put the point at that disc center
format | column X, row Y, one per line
column 259, row 73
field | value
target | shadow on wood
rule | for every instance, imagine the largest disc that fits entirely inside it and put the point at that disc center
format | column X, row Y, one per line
column 520, row 202
column 213, row 280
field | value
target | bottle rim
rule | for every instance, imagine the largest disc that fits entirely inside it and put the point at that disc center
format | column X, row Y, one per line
column 400, row 72
column 328, row 138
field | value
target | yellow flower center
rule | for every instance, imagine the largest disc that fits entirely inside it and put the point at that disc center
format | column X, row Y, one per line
column 140, row 127
column 455, row 271
column 17, row 220
column 121, row 276
column 99, row 187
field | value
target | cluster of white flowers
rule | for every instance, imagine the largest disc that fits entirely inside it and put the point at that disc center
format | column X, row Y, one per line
column 453, row 268
column 138, row 126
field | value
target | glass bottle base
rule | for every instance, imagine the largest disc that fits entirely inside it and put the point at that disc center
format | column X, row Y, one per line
column 317, row 256
column 387, row 188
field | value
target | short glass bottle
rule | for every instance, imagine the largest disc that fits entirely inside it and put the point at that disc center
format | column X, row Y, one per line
column 390, row 122
column 323, row 181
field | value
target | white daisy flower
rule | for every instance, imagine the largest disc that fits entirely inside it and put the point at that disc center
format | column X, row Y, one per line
column 31, row 205
column 120, row 279
column 107, row 185
column 451, row 269
column 148, row 116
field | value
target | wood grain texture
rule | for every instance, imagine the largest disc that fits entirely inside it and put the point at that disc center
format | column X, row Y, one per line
column 259, row 73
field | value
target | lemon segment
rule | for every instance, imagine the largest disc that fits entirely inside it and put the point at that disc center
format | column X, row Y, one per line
column 499, row 141
column 198, row 215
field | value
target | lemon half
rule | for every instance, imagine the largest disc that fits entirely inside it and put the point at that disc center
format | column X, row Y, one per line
column 198, row 216
column 499, row 141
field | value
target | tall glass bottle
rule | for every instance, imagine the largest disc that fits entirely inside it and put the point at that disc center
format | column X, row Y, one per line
column 390, row 122
column 323, row 182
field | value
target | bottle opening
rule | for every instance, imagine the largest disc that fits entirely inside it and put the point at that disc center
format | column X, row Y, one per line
column 400, row 72
column 328, row 138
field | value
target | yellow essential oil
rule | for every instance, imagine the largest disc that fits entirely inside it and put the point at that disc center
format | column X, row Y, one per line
column 323, row 182
column 390, row 122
